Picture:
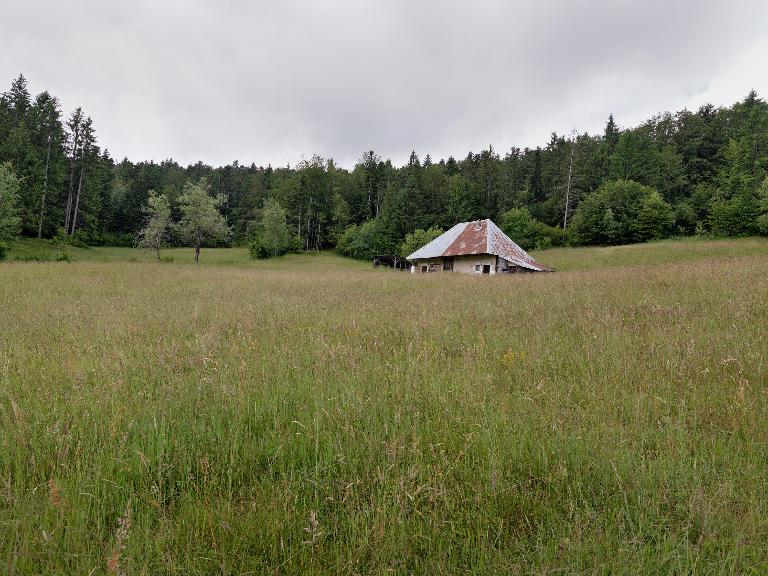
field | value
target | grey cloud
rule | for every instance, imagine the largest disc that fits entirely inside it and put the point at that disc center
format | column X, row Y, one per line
column 268, row 82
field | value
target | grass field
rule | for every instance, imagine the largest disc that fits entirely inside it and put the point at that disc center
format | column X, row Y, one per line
column 312, row 415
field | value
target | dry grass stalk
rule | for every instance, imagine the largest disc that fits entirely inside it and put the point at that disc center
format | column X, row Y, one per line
column 114, row 564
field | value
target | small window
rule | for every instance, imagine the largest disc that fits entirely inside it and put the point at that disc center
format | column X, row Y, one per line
column 423, row 268
column 477, row 267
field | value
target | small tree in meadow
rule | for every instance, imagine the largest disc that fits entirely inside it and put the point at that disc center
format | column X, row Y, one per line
column 201, row 220
column 158, row 213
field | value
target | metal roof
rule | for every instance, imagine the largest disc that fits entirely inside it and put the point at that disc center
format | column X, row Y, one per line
column 477, row 237
column 439, row 245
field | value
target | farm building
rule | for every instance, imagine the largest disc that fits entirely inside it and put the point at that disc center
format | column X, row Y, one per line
column 478, row 247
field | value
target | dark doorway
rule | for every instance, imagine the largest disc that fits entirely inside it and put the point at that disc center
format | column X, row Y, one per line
column 486, row 268
column 448, row 264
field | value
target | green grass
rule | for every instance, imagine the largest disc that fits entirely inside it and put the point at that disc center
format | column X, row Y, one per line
column 312, row 415
column 651, row 254
column 30, row 249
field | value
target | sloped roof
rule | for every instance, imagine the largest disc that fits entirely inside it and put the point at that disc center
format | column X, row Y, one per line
column 477, row 237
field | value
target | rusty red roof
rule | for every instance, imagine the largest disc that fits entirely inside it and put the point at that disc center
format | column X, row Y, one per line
column 473, row 239
column 477, row 237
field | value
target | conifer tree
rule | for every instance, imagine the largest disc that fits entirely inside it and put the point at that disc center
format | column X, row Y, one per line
column 74, row 124
column 10, row 222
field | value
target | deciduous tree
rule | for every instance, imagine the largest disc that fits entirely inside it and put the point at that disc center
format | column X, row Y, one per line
column 201, row 221
column 155, row 231
column 417, row 239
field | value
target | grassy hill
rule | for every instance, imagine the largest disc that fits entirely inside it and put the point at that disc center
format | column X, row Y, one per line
column 312, row 415
column 562, row 259
column 664, row 252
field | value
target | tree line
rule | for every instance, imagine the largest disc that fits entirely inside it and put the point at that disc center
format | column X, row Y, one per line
column 680, row 174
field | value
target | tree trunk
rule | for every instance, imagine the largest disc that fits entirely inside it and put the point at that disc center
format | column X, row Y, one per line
column 71, row 180
column 45, row 189
column 157, row 251
column 77, row 201
column 568, row 189
column 197, row 252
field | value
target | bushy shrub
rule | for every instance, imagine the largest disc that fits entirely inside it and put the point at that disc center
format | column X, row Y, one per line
column 58, row 257
column 365, row 241
column 273, row 237
column 735, row 217
column 417, row 239
column 3, row 250
column 259, row 251
column 528, row 232
column 117, row 239
column 79, row 239
column 621, row 212
column 654, row 219
column 685, row 218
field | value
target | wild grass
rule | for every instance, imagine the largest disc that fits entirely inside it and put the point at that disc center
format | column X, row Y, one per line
column 316, row 416
column 674, row 251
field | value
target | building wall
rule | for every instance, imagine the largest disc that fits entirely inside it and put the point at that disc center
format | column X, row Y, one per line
column 466, row 264
column 461, row 264
column 432, row 264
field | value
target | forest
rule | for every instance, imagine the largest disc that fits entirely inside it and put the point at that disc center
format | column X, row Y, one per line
column 677, row 174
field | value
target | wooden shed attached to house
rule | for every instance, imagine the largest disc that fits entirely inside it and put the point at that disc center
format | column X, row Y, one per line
column 478, row 247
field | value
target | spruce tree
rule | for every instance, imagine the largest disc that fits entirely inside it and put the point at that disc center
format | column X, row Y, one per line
column 10, row 221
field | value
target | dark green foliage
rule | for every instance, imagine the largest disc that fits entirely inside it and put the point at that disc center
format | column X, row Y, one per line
column 685, row 218
column 10, row 221
column 57, row 257
column 707, row 167
column 735, row 217
column 3, row 250
column 417, row 239
column 621, row 212
column 762, row 208
column 273, row 237
column 528, row 232
column 365, row 241
column 654, row 219
column 260, row 251
column 78, row 239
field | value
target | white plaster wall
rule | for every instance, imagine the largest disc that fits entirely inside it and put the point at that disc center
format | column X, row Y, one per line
column 466, row 264
column 461, row 264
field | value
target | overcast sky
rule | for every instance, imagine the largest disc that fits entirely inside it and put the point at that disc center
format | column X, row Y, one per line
column 270, row 82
